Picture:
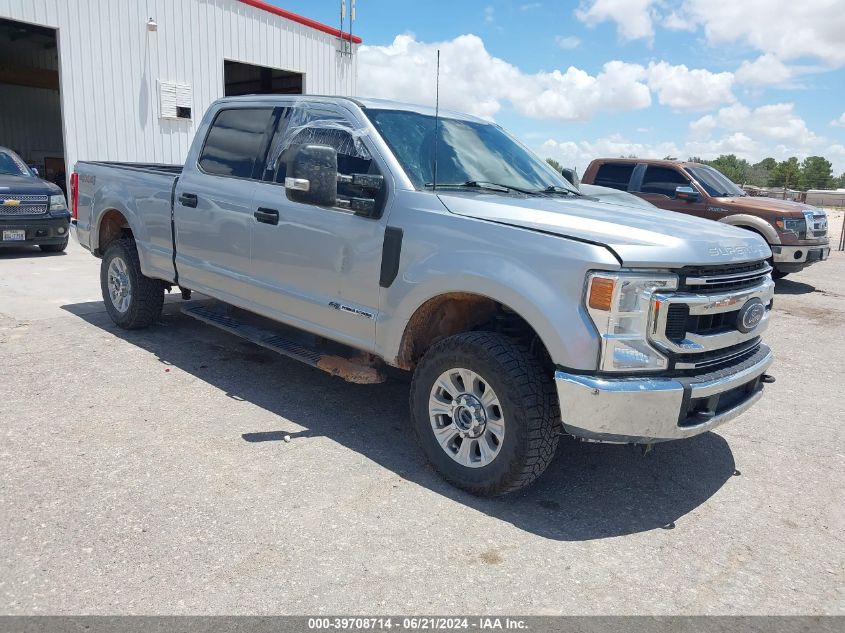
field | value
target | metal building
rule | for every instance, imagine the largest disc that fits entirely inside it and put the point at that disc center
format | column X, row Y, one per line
column 129, row 80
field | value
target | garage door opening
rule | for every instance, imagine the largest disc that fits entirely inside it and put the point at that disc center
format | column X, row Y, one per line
column 31, row 106
column 248, row 79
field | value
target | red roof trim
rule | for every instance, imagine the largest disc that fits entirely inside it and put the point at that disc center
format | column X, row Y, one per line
column 325, row 28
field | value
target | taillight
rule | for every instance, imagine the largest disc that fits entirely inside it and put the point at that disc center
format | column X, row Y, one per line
column 74, row 196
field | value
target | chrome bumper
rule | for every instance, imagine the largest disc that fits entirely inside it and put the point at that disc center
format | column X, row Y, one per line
column 655, row 409
column 800, row 254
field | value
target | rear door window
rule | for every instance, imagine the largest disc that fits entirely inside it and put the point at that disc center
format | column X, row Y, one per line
column 663, row 180
column 236, row 142
column 615, row 175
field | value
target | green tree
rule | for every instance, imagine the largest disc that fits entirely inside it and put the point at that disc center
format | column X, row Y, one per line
column 555, row 165
column 816, row 173
column 736, row 169
column 759, row 173
column 839, row 183
column 786, row 174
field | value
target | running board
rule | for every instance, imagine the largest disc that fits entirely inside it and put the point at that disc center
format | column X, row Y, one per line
column 356, row 369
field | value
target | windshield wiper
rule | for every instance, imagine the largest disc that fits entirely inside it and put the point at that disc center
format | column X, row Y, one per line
column 558, row 189
column 483, row 184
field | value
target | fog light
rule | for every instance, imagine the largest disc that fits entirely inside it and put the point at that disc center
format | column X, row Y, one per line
column 798, row 254
column 60, row 230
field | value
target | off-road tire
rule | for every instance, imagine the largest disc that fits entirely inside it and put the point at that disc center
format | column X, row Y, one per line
column 529, row 402
column 53, row 248
column 147, row 294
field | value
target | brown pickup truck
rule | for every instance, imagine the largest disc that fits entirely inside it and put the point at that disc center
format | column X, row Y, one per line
column 796, row 233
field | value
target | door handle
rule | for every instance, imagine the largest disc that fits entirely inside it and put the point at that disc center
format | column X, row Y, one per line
column 188, row 200
column 267, row 216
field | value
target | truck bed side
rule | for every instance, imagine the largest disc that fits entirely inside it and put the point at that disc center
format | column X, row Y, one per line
column 116, row 199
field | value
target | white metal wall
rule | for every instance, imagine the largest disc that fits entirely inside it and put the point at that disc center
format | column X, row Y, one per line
column 110, row 63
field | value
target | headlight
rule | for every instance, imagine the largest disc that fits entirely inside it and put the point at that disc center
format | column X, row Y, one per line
column 58, row 203
column 793, row 225
column 620, row 306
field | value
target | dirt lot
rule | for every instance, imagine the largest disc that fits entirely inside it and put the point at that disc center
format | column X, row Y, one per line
column 146, row 472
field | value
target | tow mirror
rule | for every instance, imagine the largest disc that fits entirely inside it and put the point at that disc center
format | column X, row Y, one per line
column 690, row 194
column 312, row 176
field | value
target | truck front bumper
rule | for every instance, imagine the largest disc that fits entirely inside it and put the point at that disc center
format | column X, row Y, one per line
column 643, row 410
column 793, row 258
column 43, row 229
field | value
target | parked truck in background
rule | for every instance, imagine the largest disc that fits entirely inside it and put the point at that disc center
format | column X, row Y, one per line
column 33, row 212
column 361, row 235
column 795, row 232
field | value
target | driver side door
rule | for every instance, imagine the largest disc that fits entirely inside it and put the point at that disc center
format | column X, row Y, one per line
column 317, row 268
column 658, row 186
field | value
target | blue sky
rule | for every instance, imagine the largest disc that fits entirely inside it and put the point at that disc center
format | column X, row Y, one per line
column 691, row 77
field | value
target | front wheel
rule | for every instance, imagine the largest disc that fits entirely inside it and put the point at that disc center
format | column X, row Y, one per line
column 485, row 413
column 53, row 248
column 132, row 300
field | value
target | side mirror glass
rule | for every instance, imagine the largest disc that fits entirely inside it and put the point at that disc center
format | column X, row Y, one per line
column 35, row 171
column 312, row 176
column 690, row 194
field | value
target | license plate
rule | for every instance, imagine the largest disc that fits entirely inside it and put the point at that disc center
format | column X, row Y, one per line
column 18, row 235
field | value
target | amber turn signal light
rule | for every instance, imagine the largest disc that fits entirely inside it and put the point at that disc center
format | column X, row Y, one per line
column 601, row 293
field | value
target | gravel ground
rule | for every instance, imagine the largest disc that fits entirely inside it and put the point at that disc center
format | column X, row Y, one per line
column 147, row 472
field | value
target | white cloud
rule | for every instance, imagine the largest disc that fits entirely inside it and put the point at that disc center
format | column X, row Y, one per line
column 568, row 43
column 633, row 18
column 530, row 6
column 684, row 88
column 787, row 29
column 766, row 69
column 777, row 121
column 489, row 14
column 579, row 154
column 676, row 21
column 474, row 81
column 840, row 122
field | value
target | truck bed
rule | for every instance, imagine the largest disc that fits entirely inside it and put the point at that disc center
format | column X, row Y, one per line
column 142, row 193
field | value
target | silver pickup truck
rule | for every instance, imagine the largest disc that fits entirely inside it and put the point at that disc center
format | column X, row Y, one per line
column 360, row 235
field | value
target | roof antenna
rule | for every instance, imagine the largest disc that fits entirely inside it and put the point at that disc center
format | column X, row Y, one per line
column 436, row 121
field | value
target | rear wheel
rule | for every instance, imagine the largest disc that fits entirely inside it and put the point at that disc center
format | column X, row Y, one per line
column 485, row 412
column 132, row 300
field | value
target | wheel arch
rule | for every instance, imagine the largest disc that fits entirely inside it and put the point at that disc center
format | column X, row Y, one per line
column 755, row 224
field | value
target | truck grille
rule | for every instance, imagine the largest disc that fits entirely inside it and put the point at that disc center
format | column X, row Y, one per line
column 11, row 204
column 712, row 279
column 698, row 326
column 817, row 226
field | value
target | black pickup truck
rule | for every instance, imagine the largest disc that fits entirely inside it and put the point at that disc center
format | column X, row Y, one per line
column 32, row 211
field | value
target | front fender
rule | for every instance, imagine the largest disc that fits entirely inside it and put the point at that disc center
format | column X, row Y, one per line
column 537, row 275
column 744, row 220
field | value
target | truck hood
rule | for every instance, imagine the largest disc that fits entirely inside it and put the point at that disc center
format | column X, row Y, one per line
column 639, row 236
column 756, row 204
column 26, row 185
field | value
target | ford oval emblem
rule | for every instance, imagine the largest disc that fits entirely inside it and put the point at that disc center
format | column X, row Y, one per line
column 750, row 315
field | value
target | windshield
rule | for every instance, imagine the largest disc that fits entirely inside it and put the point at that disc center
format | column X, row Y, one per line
column 12, row 165
column 715, row 182
column 467, row 152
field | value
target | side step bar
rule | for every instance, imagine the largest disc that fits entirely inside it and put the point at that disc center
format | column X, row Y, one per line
column 356, row 369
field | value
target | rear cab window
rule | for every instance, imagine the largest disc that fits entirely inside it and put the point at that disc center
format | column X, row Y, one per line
column 235, row 144
column 614, row 175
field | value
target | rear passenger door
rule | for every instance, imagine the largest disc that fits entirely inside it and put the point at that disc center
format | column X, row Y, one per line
column 658, row 186
column 213, row 211
column 316, row 267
